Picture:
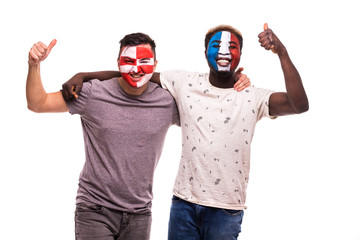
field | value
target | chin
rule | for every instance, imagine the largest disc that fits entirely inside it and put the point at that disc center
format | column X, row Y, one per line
column 224, row 73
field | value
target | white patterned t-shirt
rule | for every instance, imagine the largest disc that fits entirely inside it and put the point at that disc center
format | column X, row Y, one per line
column 217, row 129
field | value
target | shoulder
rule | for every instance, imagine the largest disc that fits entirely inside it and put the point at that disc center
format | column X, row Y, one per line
column 154, row 88
column 258, row 91
column 179, row 79
column 97, row 85
column 179, row 74
column 97, row 82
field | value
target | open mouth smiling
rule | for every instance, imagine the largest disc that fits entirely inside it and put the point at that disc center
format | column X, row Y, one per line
column 223, row 61
column 137, row 75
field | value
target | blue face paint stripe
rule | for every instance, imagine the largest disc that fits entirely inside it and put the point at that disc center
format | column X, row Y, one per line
column 212, row 52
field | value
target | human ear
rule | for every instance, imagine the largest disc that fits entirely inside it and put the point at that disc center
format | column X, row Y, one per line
column 155, row 64
column 118, row 62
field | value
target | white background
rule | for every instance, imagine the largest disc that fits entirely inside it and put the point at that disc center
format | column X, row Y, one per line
column 304, row 180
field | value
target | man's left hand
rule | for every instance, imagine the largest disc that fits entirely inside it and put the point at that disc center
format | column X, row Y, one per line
column 269, row 40
column 243, row 81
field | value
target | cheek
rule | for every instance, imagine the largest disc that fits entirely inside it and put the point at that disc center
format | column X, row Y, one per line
column 147, row 69
column 211, row 57
column 235, row 56
column 212, row 53
column 127, row 78
column 125, row 68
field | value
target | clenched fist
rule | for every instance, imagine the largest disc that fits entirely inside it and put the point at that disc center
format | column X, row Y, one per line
column 39, row 52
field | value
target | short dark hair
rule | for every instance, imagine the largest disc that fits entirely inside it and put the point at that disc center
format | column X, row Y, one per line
column 219, row 28
column 135, row 39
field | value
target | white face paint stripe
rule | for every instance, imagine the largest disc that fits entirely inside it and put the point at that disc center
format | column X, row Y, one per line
column 129, row 52
column 224, row 45
column 126, row 68
column 224, row 50
column 149, row 62
column 144, row 80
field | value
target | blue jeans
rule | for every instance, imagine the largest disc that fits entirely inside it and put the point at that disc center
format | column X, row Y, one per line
column 189, row 221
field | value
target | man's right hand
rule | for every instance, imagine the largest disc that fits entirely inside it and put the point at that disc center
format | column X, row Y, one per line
column 39, row 52
column 72, row 87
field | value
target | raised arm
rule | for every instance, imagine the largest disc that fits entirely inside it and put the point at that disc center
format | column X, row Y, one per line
column 294, row 100
column 38, row 99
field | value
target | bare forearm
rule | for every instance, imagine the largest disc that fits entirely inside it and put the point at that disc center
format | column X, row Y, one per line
column 294, row 88
column 101, row 75
column 35, row 92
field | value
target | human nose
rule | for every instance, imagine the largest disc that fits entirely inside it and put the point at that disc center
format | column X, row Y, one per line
column 224, row 50
column 135, row 69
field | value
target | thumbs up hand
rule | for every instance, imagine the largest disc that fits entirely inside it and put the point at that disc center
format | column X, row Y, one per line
column 269, row 40
column 39, row 52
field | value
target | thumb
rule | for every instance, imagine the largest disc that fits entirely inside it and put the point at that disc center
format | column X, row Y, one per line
column 266, row 27
column 239, row 70
column 50, row 46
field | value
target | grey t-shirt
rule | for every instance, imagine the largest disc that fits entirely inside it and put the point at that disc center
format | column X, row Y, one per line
column 124, row 137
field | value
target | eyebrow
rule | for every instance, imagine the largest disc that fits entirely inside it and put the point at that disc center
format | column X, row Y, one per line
column 218, row 41
column 144, row 60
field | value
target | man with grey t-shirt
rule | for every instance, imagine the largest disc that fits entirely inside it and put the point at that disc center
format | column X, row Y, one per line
column 124, row 122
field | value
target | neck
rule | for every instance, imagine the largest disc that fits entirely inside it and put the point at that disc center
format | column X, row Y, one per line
column 130, row 89
column 222, row 80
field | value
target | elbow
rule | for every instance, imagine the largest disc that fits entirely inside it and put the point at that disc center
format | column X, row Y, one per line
column 34, row 108
column 301, row 108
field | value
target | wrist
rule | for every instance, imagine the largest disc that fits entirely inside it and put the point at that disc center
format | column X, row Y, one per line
column 83, row 76
column 34, row 67
column 283, row 52
column 33, row 64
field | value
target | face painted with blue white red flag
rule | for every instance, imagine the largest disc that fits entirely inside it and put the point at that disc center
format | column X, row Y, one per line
column 136, row 64
column 223, row 52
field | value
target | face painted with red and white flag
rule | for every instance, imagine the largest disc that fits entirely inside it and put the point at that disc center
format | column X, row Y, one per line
column 136, row 64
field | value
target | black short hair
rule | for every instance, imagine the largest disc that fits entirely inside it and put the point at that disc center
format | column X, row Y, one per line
column 220, row 28
column 135, row 39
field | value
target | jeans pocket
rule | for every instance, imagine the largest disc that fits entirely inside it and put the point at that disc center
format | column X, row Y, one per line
column 232, row 212
column 88, row 207
column 175, row 199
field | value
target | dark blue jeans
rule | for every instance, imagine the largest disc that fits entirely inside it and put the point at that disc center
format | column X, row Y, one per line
column 189, row 221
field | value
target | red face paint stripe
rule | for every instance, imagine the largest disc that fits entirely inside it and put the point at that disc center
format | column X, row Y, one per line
column 235, row 53
column 125, row 61
column 147, row 69
column 127, row 77
column 142, row 52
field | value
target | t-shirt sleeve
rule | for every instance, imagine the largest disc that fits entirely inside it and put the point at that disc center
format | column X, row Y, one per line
column 262, row 100
column 171, row 81
column 78, row 106
column 176, row 116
